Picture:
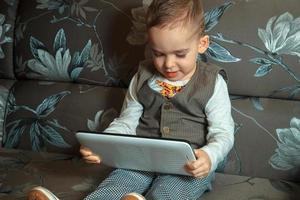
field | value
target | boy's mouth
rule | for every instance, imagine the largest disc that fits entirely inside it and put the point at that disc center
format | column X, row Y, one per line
column 170, row 74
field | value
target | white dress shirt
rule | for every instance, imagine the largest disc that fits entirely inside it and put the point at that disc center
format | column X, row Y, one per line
column 220, row 136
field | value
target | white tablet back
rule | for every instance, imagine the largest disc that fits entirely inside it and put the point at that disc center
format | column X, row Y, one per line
column 139, row 153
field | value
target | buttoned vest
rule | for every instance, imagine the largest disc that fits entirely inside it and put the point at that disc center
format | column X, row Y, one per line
column 182, row 116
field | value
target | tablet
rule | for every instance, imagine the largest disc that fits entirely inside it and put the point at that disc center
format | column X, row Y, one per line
column 139, row 153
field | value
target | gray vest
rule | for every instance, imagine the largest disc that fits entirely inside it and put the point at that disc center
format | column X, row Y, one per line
column 182, row 116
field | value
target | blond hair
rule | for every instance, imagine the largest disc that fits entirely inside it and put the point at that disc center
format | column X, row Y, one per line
column 172, row 13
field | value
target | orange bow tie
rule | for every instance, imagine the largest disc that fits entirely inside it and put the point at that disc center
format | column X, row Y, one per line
column 168, row 90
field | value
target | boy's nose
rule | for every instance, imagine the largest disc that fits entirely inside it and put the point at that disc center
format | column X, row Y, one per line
column 169, row 63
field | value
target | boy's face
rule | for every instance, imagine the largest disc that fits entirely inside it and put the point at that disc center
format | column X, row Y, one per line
column 175, row 50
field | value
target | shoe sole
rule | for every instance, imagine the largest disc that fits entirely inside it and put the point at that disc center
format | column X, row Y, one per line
column 133, row 196
column 40, row 193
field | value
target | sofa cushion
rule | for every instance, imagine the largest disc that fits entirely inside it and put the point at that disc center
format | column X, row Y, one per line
column 82, row 41
column 70, row 179
column 7, row 21
column 44, row 116
column 233, row 187
column 267, row 138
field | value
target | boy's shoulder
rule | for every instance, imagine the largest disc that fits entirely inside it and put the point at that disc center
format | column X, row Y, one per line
column 208, row 66
column 146, row 68
column 211, row 68
column 145, row 71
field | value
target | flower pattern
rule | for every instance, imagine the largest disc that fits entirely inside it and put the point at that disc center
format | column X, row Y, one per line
column 42, row 129
column 4, row 28
column 287, row 154
column 3, row 96
column 282, row 35
column 59, row 61
column 57, row 68
column 59, row 5
column 138, row 34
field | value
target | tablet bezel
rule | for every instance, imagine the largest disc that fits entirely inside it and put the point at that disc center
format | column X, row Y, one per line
column 189, row 151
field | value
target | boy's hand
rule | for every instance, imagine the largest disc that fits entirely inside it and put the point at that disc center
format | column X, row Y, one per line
column 89, row 156
column 199, row 168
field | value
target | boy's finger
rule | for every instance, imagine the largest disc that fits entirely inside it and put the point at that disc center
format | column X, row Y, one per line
column 189, row 166
column 92, row 162
column 85, row 151
column 93, row 158
column 195, row 164
column 199, row 173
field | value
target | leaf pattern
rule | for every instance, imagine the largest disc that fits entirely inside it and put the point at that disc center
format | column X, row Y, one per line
column 4, row 28
column 96, row 60
column 219, row 53
column 282, row 35
column 257, row 103
column 49, row 67
column 79, row 8
column 60, row 41
column 53, row 137
column 102, row 120
column 3, row 101
column 287, row 154
column 49, row 104
column 52, row 5
column 15, row 133
column 213, row 16
column 41, row 129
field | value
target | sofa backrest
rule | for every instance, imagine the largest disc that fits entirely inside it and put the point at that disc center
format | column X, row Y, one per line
column 82, row 42
column 257, row 42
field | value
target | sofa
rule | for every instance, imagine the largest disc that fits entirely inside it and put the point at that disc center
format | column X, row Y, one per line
column 65, row 66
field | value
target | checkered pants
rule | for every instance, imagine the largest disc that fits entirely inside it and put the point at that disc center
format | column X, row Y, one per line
column 152, row 185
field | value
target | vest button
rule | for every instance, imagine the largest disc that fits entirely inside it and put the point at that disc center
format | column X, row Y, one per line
column 167, row 107
column 166, row 130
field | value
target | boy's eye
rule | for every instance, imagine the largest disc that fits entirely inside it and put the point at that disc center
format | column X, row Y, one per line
column 180, row 55
column 156, row 54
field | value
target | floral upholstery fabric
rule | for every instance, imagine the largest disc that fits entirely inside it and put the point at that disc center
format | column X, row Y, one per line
column 65, row 66
column 44, row 116
column 266, row 138
column 261, row 46
column 74, row 41
column 5, row 86
column 7, row 21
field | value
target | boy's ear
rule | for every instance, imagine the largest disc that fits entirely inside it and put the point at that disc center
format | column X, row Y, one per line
column 203, row 44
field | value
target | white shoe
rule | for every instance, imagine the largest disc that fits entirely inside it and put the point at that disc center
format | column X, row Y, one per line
column 133, row 196
column 41, row 193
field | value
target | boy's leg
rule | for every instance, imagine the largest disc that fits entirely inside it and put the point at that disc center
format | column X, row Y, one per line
column 173, row 187
column 121, row 182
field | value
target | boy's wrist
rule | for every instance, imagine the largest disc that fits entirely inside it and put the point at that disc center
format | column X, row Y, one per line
column 210, row 156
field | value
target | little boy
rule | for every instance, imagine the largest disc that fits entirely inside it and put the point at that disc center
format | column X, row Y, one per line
column 173, row 96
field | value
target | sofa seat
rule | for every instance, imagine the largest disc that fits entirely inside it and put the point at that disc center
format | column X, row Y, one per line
column 71, row 179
